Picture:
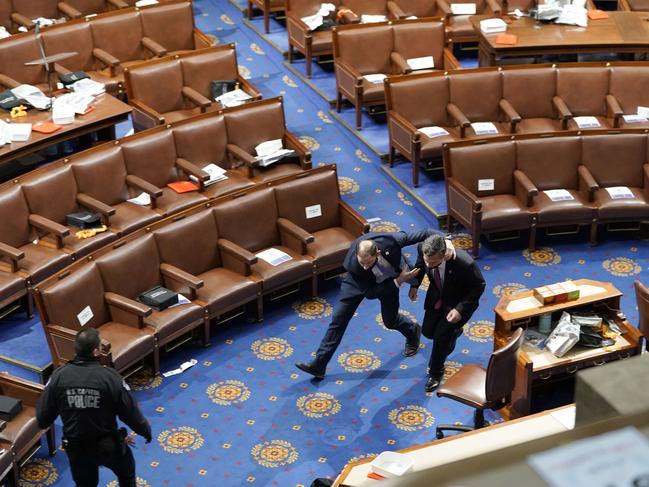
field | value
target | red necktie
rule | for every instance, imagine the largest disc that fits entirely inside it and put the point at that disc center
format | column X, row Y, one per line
column 438, row 284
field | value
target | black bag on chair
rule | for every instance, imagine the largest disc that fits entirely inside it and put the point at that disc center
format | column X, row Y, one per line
column 8, row 100
column 9, row 407
column 220, row 87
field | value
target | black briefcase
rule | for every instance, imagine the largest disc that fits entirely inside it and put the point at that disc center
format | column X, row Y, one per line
column 83, row 220
column 159, row 298
column 69, row 78
column 9, row 407
column 220, row 87
column 8, row 100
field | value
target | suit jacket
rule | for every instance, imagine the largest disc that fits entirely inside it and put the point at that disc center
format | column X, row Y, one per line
column 462, row 284
column 359, row 281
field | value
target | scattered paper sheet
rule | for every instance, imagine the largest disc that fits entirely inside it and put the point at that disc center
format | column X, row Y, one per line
column 313, row 21
column 424, row 62
column 183, row 367
column 88, row 87
column 643, row 111
column 4, row 33
column 233, row 98
column 370, row 19
column 20, row 132
column 586, row 122
column 484, row 128
column 274, row 256
column 619, row 192
column 375, row 78
column 558, row 194
column 634, row 118
column 144, row 3
column 143, row 199
column 433, row 131
column 271, row 151
column 217, row 173
column 463, row 8
column 181, row 300
column 32, row 95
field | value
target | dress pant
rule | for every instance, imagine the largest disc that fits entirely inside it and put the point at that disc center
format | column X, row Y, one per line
column 444, row 336
column 87, row 456
column 388, row 295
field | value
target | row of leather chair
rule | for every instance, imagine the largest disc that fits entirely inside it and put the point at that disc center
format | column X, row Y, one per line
column 384, row 48
column 35, row 241
column 103, row 45
column 633, row 5
column 510, row 183
column 208, row 254
column 168, row 89
column 516, row 99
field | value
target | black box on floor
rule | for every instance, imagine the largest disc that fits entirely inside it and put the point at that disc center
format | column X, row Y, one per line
column 159, row 298
column 9, row 407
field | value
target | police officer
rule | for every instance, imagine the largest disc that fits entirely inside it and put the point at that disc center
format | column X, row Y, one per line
column 88, row 396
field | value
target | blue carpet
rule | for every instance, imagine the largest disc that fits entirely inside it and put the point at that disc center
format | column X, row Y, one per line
column 431, row 191
column 23, row 340
column 244, row 415
column 323, row 79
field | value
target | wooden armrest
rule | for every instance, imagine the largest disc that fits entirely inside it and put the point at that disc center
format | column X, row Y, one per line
column 292, row 142
column 450, row 61
column 564, row 112
column 129, row 305
column 400, row 63
column 350, row 17
column 444, row 6
column 145, row 186
column 237, row 251
column 473, row 199
column 405, row 124
column 351, row 220
column 494, row 6
column 192, row 169
column 61, row 330
column 527, row 186
column 454, row 111
column 68, row 10
column 105, row 57
column 395, row 10
column 352, row 74
column 8, row 82
column 118, row 3
column 249, row 88
column 154, row 47
column 12, row 254
column 95, row 205
column 587, row 182
column 511, row 113
column 294, row 230
column 181, row 276
column 21, row 20
column 27, row 385
column 47, row 225
column 196, row 98
column 615, row 109
column 150, row 112
column 240, row 154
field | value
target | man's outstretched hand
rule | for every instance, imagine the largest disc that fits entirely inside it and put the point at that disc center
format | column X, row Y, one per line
column 407, row 275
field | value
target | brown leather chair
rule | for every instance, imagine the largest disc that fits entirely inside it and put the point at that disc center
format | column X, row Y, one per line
column 151, row 157
column 642, row 298
column 267, row 7
column 482, row 388
column 582, row 93
column 39, row 190
column 25, row 11
column 12, row 288
column 309, row 42
column 119, row 320
column 14, row 52
column 192, row 246
column 5, row 16
column 459, row 28
column 626, row 93
column 253, row 123
column 333, row 223
column 505, row 207
column 21, row 435
column 553, row 163
column 135, row 267
column 101, row 174
column 633, row 5
column 400, row 9
column 89, row 7
column 360, row 7
column 630, row 169
column 250, row 224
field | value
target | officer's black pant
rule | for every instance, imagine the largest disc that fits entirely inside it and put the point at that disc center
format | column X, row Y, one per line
column 444, row 335
column 85, row 460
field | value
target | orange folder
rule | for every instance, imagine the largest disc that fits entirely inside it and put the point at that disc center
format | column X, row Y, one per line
column 375, row 476
column 183, row 186
column 506, row 39
column 597, row 15
column 45, row 127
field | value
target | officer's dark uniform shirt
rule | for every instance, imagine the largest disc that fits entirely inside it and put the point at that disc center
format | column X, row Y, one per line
column 88, row 396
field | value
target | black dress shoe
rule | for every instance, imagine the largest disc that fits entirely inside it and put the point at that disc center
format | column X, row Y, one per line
column 311, row 369
column 432, row 383
column 413, row 346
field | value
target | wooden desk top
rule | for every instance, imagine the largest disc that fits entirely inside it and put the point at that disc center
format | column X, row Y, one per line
column 623, row 29
column 108, row 110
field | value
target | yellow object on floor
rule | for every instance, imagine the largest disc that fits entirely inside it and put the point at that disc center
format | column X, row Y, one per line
column 90, row 232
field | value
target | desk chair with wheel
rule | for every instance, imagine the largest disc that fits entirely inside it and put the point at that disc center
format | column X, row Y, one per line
column 482, row 388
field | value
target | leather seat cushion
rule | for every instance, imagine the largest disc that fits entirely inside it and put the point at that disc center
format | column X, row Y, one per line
column 504, row 212
column 569, row 211
column 22, row 430
column 503, row 129
column 225, row 289
column 41, row 262
column 431, row 148
column 322, row 41
column 85, row 246
column 330, row 246
column 172, row 202
column 468, row 386
column 176, row 115
column 460, row 26
column 172, row 320
column 373, row 92
column 127, row 343
column 538, row 125
column 275, row 277
column 129, row 217
column 632, row 208
column 234, row 182
column 271, row 172
column 10, row 284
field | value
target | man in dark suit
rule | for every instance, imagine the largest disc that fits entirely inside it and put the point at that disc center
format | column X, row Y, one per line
column 456, row 285
column 375, row 270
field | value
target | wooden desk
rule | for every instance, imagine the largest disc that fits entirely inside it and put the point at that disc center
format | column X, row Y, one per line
column 108, row 111
column 467, row 445
column 537, row 368
column 622, row 32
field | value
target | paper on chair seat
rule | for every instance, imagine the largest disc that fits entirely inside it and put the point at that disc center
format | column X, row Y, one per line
column 4, row 33
column 463, row 8
column 144, row 3
column 424, row 62
column 619, row 192
column 586, row 122
column 233, row 98
column 634, row 118
column 412, row 17
column 433, row 131
column 268, row 147
column 370, row 19
column 88, row 87
column 274, row 256
column 143, row 199
column 558, row 194
column 643, row 111
column 181, row 300
column 484, row 128
column 216, row 173
column 313, row 21
column 375, row 78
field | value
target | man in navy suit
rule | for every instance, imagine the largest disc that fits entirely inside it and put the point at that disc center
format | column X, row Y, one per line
column 375, row 270
column 456, row 285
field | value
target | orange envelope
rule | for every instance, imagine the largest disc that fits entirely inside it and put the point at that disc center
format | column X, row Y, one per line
column 597, row 15
column 506, row 39
column 45, row 127
column 183, row 186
